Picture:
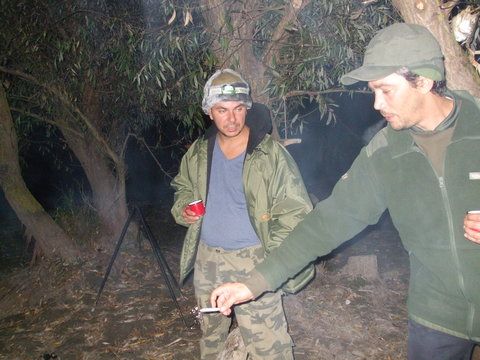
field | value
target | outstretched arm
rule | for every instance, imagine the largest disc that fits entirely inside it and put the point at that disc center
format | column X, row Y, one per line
column 356, row 202
column 229, row 294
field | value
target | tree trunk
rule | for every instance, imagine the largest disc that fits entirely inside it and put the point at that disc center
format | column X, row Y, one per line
column 108, row 191
column 50, row 238
column 459, row 72
column 106, row 178
column 240, row 44
column 239, row 50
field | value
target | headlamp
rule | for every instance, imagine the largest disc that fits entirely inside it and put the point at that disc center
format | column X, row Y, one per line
column 228, row 89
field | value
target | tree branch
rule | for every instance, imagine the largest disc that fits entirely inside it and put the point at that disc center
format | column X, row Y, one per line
column 141, row 140
column 459, row 72
column 68, row 104
column 42, row 119
column 322, row 92
column 289, row 16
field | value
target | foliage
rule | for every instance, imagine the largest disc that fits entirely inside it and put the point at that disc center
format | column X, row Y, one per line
column 294, row 51
column 142, row 67
column 103, row 72
column 327, row 40
column 148, row 59
column 91, row 73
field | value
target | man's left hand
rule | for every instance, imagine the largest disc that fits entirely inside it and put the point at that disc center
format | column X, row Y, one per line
column 471, row 226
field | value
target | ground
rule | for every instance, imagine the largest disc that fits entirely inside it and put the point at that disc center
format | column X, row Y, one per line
column 49, row 310
column 339, row 316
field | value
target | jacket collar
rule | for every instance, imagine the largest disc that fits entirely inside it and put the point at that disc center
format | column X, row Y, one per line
column 467, row 125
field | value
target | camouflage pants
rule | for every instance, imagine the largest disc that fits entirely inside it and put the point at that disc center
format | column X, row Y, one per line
column 262, row 323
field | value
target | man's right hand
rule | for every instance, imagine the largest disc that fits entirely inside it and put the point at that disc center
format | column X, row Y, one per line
column 189, row 216
column 229, row 294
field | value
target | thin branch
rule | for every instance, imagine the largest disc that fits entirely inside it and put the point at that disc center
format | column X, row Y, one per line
column 68, row 104
column 295, row 93
column 289, row 16
column 142, row 140
column 42, row 119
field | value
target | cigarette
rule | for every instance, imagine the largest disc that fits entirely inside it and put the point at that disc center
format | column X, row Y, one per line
column 208, row 310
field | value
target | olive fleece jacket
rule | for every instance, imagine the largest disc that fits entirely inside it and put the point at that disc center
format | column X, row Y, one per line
column 393, row 173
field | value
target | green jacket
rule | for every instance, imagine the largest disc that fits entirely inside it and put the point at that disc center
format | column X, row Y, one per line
column 392, row 173
column 276, row 196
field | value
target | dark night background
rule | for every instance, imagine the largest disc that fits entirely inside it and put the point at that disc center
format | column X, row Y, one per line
column 325, row 153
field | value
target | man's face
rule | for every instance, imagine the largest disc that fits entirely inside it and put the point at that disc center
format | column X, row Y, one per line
column 398, row 101
column 229, row 117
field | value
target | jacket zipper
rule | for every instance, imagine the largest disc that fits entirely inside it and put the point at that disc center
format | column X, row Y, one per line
column 471, row 310
column 446, row 203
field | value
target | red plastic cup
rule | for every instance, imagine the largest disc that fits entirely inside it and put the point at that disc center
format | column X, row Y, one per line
column 197, row 207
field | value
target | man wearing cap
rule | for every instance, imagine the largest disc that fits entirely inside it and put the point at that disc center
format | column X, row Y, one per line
column 254, row 197
column 424, row 167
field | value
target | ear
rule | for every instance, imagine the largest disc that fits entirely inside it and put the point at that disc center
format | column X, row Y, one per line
column 424, row 85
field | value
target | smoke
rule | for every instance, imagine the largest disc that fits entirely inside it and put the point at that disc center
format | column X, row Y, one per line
column 327, row 151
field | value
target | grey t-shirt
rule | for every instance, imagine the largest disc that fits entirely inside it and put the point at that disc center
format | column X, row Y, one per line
column 226, row 223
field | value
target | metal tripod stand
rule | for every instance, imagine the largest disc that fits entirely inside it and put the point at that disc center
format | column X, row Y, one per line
column 170, row 280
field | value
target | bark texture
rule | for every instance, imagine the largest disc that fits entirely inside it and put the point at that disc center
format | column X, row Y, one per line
column 460, row 73
column 104, row 168
column 105, row 175
column 51, row 239
column 237, row 32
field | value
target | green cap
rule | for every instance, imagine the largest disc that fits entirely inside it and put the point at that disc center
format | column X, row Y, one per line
column 396, row 46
